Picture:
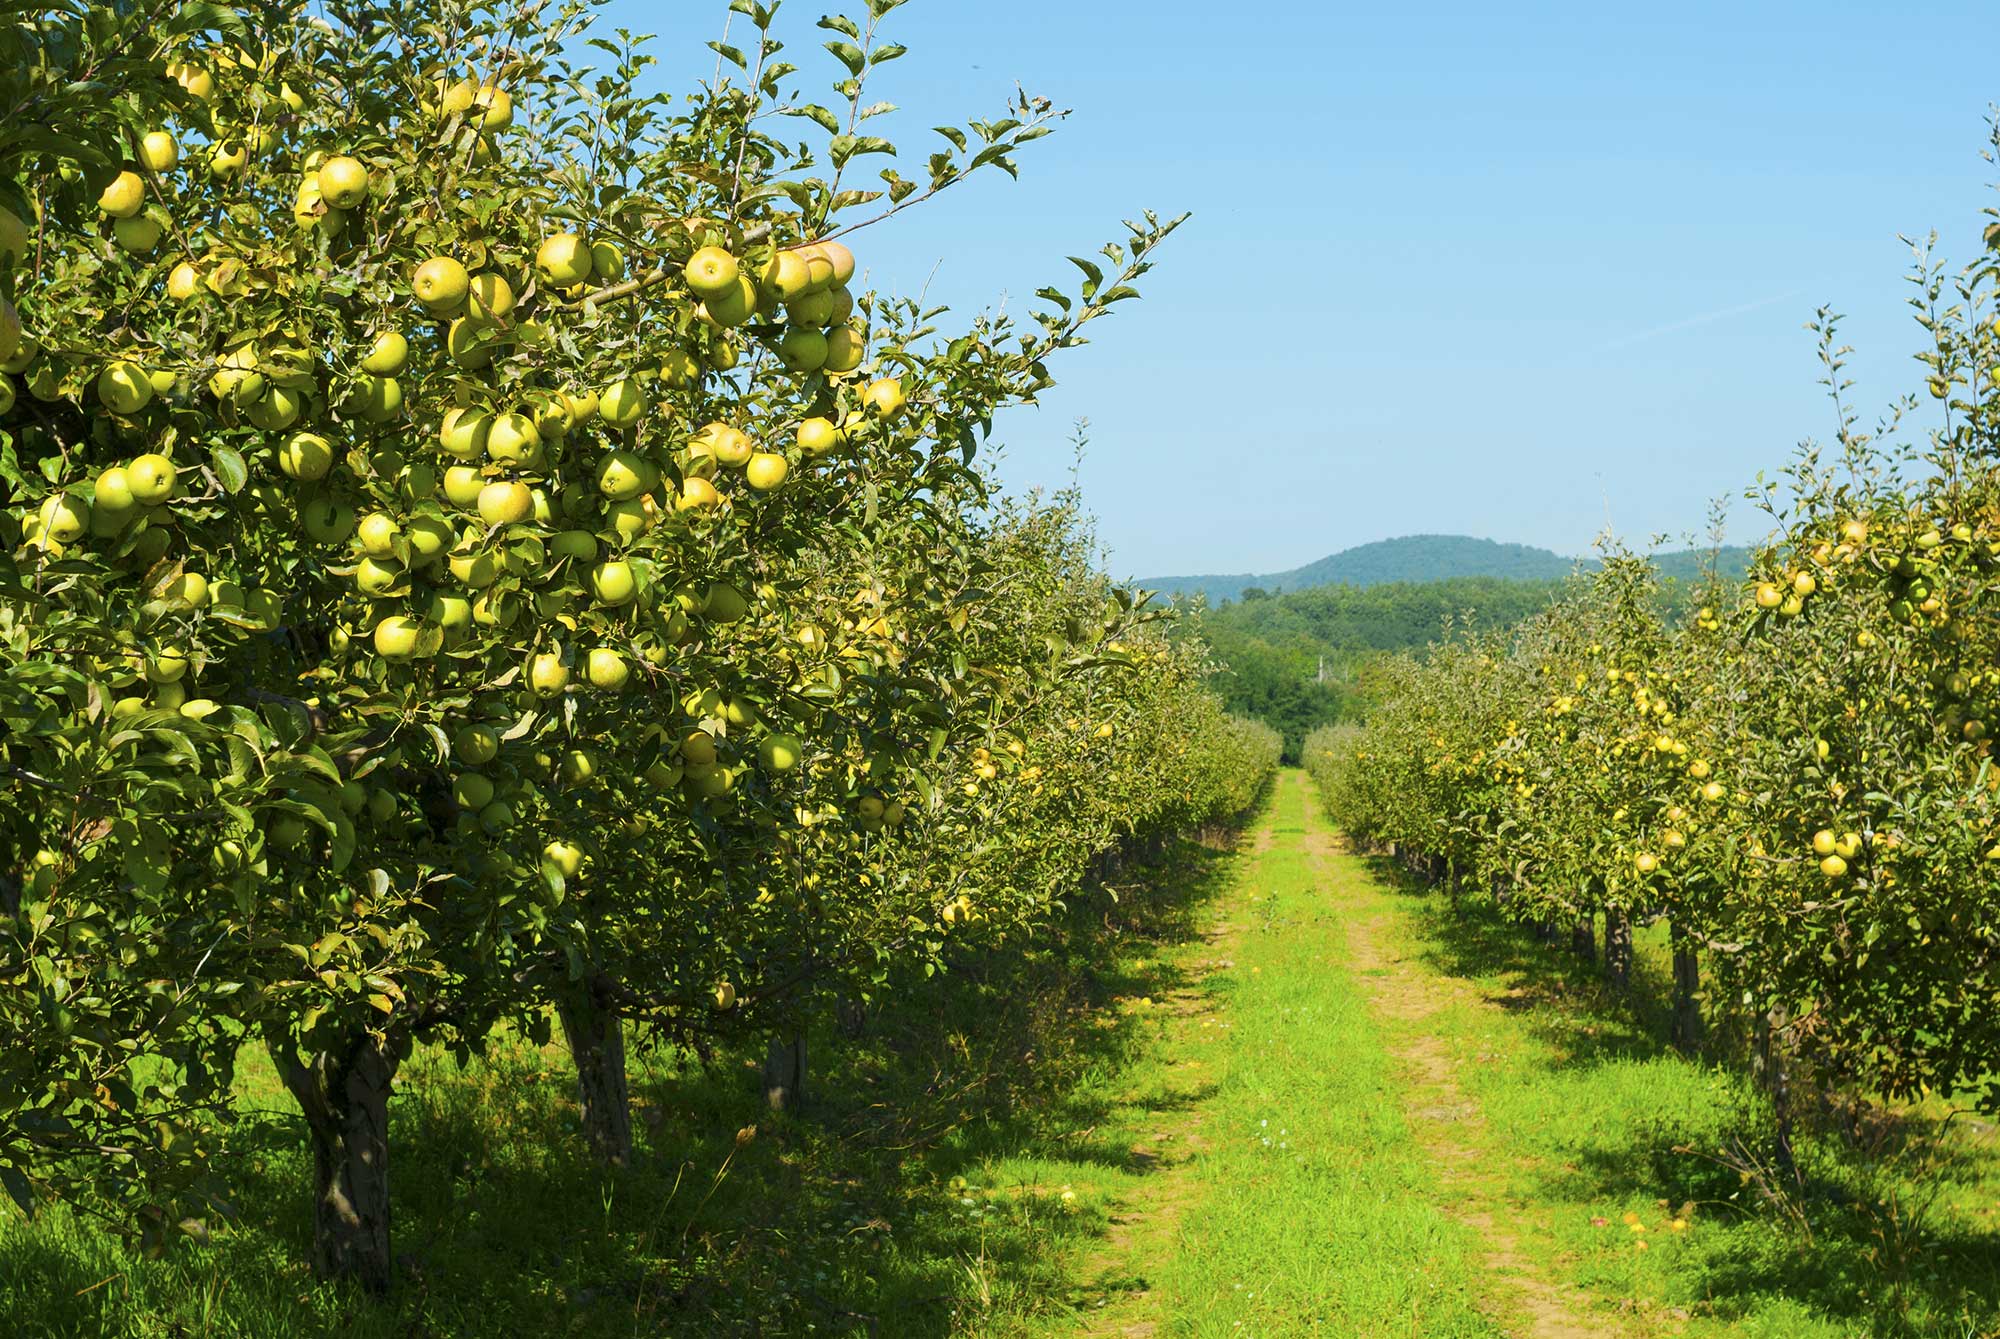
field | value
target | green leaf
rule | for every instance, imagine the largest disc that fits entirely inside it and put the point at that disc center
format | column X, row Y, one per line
column 821, row 116
column 849, row 55
column 18, row 1189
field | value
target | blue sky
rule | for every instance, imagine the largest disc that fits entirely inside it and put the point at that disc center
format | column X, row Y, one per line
column 1451, row 269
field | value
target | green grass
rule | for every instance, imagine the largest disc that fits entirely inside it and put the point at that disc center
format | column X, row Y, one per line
column 920, row 1193
column 1188, row 1107
column 1599, row 1119
column 1318, row 1213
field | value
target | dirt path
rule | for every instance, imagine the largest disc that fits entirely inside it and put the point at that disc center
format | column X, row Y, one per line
column 1410, row 999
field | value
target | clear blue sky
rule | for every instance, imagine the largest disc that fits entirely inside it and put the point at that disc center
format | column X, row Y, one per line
column 1462, row 268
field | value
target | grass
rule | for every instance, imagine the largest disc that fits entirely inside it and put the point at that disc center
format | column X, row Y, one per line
column 1194, row 1111
column 920, row 1193
column 1318, row 1213
column 1608, row 1130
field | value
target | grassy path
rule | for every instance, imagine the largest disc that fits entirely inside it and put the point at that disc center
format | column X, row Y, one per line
column 1372, row 1117
column 1295, row 1196
column 1316, row 1167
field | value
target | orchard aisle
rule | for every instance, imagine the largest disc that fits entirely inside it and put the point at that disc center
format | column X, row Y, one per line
column 1315, row 1167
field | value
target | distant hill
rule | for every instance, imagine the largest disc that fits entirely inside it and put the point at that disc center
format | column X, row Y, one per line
column 1420, row 558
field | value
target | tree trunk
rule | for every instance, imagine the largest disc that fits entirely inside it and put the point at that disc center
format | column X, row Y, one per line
column 1776, row 1073
column 596, row 1036
column 1583, row 937
column 851, row 1014
column 345, row 1098
column 1687, row 980
column 785, row 1071
column 1618, row 948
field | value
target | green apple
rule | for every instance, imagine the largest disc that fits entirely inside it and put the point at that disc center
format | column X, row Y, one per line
column 614, row 583
column 622, row 403
column 327, row 521
column 547, row 675
column 607, row 669
column 563, row 260
column 124, row 388
column 623, row 474
column 477, row 744
column 378, row 533
column 780, row 753
column 441, row 284
column 376, row 577
column 306, row 456
column 803, row 350
column 151, row 478
column 513, row 440
column 387, row 355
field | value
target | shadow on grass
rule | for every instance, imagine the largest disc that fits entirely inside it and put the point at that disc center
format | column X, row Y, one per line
column 1013, row 1059
column 1873, row 1232
column 843, row 1219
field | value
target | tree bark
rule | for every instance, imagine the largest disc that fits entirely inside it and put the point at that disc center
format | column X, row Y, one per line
column 1775, row 1071
column 596, row 1035
column 1618, row 948
column 1687, row 980
column 851, row 1013
column 785, row 1071
column 1583, row 937
column 345, row 1098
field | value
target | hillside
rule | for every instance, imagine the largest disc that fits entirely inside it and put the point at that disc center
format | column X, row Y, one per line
column 1420, row 558
column 1291, row 658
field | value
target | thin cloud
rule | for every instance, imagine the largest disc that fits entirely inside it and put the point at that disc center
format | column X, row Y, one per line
column 1691, row 322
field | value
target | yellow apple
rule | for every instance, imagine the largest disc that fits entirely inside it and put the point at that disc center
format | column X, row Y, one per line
column 818, row 436
column 492, row 109
column 159, row 151
column 697, row 493
column 489, row 297
column 441, row 284
column 563, row 260
column 396, row 637
column 343, row 181
column 306, row 455
column 183, row 282
column 124, row 196
column 151, row 478
column 505, row 502
column 884, row 398
column 567, row 860
column 124, row 388
column 766, row 470
column 547, row 675
column 462, row 484
column 711, row 272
